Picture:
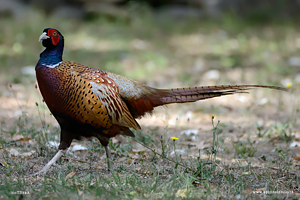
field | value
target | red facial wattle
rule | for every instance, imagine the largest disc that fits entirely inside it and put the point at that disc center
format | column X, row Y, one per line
column 54, row 36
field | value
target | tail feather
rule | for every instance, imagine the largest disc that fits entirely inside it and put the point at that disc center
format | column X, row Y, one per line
column 191, row 94
column 151, row 97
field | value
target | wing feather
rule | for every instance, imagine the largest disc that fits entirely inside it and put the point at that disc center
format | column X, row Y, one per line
column 116, row 107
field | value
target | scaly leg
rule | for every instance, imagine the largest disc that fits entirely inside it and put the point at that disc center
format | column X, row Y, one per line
column 50, row 163
column 109, row 165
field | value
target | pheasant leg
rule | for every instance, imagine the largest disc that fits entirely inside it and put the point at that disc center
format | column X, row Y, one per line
column 50, row 163
column 109, row 165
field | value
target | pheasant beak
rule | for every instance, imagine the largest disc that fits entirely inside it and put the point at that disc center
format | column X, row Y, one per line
column 43, row 36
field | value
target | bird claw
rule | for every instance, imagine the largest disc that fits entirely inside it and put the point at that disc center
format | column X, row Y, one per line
column 39, row 173
column 49, row 164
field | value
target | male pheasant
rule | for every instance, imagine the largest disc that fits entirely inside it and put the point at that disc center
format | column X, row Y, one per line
column 90, row 102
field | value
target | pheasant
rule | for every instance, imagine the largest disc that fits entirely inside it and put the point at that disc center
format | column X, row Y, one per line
column 88, row 102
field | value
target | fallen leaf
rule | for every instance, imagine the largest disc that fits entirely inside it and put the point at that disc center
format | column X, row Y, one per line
column 70, row 175
column 27, row 154
column 3, row 163
column 295, row 144
column 190, row 132
column 182, row 193
column 14, row 152
column 78, row 147
column 17, row 137
column 297, row 158
column 52, row 144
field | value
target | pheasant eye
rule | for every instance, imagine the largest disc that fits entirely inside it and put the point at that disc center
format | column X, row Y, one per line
column 54, row 33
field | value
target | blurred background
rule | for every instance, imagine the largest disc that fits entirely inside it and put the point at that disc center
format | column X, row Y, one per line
column 162, row 43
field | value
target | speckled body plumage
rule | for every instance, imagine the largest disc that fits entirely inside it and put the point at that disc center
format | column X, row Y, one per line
column 85, row 102
column 90, row 102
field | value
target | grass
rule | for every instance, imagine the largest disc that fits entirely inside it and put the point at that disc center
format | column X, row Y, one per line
column 143, row 174
column 247, row 152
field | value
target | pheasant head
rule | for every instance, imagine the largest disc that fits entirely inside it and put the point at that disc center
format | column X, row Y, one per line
column 53, row 40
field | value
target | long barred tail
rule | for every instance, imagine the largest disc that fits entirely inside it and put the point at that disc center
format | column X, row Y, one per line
column 191, row 94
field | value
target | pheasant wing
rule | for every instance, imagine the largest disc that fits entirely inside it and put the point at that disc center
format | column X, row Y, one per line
column 107, row 92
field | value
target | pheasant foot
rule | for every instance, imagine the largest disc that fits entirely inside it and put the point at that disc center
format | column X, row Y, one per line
column 49, row 164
